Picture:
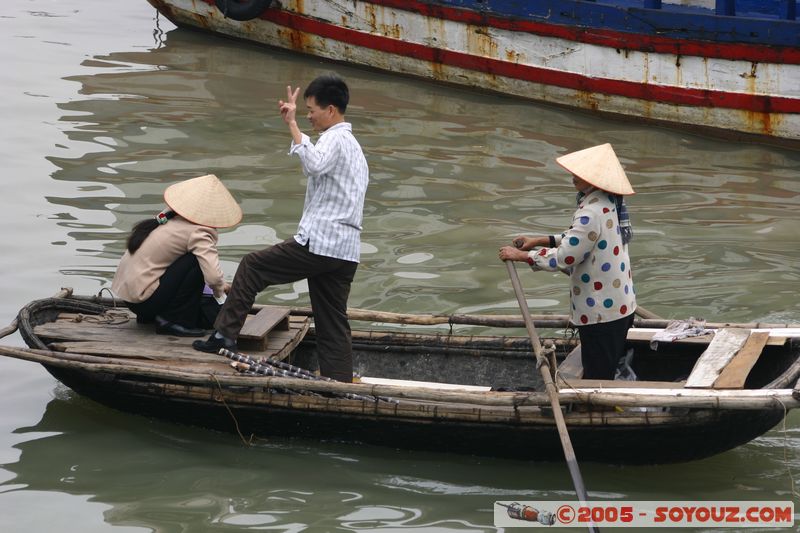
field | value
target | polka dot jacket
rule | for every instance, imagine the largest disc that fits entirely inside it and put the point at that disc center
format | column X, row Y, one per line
column 591, row 251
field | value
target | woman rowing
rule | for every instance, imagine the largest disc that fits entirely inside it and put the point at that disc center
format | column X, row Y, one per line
column 594, row 252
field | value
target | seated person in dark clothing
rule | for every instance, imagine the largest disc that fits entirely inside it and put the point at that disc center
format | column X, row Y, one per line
column 171, row 257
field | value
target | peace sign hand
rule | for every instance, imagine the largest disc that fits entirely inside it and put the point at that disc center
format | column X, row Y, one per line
column 289, row 107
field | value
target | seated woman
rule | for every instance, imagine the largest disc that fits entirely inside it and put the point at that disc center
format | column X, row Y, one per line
column 171, row 257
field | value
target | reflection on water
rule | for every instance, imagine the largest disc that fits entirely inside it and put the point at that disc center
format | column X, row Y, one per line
column 153, row 475
column 454, row 175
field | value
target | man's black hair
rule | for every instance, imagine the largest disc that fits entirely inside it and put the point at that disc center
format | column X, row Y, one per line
column 329, row 89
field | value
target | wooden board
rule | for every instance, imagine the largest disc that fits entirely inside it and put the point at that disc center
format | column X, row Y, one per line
column 735, row 373
column 723, row 347
column 255, row 333
column 132, row 340
column 777, row 336
column 572, row 366
column 145, row 351
column 618, row 384
column 423, row 384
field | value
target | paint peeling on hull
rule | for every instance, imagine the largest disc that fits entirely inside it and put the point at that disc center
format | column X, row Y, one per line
column 730, row 95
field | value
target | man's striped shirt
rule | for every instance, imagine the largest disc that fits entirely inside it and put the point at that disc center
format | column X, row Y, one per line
column 338, row 176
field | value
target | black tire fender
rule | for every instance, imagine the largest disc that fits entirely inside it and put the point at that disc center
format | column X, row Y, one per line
column 242, row 9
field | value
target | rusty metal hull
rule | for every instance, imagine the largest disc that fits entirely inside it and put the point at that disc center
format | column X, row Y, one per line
column 653, row 72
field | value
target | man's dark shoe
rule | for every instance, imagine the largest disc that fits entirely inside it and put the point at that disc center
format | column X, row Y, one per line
column 214, row 344
column 176, row 330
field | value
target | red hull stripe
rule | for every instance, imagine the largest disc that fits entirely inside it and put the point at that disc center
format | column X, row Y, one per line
column 653, row 93
column 601, row 37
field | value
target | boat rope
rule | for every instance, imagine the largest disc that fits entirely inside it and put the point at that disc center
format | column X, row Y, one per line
column 267, row 367
column 570, row 332
column 59, row 305
column 111, row 317
column 247, row 442
column 792, row 489
column 111, row 294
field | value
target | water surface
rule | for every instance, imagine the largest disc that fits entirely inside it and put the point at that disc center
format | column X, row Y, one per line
column 105, row 104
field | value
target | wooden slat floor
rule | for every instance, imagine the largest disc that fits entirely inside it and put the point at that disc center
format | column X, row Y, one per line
column 118, row 336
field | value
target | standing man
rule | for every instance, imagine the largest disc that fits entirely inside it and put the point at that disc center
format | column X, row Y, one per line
column 326, row 248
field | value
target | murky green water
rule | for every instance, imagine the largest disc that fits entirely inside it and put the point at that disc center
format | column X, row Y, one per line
column 104, row 105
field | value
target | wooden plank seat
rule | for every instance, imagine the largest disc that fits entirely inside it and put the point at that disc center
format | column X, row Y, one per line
column 618, row 384
column 255, row 332
column 735, row 373
column 720, row 351
column 776, row 338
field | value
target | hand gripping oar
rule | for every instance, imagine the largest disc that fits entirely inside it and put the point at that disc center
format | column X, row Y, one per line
column 543, row 365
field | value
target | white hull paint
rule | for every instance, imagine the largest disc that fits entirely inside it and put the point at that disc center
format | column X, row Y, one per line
column 547, row 54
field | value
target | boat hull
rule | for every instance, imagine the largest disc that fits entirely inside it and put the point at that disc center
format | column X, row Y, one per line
column 102, row 353
column 727, row 87
column 684, row 436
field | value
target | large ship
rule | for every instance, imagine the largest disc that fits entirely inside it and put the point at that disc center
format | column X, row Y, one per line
column 726, row 66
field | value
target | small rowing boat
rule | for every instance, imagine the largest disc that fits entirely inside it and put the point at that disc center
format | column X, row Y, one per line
column 476, row 394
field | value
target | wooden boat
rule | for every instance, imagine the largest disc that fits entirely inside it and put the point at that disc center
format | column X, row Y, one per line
column 731, row 66
column 477, row 394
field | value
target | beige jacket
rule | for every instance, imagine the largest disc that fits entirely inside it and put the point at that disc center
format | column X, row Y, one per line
column 138, row 275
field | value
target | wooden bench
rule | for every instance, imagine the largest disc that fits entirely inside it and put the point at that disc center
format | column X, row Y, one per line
column 254, row 333
column 727, row 361
column 618, row 384
column 736, row 371
column 422, row 384
column 777, row 338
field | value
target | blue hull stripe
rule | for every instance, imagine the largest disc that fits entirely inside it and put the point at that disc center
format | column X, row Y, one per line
column 754, row 22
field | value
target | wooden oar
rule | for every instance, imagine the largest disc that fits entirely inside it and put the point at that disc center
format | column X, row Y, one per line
column 644, row 313
column 544, row 368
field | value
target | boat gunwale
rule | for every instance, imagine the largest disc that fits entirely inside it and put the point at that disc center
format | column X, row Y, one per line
column 235, row 402
column 138, row 368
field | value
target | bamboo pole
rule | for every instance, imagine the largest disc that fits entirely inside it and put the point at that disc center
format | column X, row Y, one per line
column 556, row 321
column 150, row 370
column 754, row 399
column 550, row 321
column 544, row 367
column 502, row 321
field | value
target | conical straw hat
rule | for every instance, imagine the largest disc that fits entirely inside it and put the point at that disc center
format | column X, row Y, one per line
column 599, row 166
column 204, row 201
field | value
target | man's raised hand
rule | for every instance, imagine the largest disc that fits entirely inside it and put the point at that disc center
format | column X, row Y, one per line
column 288, row 108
